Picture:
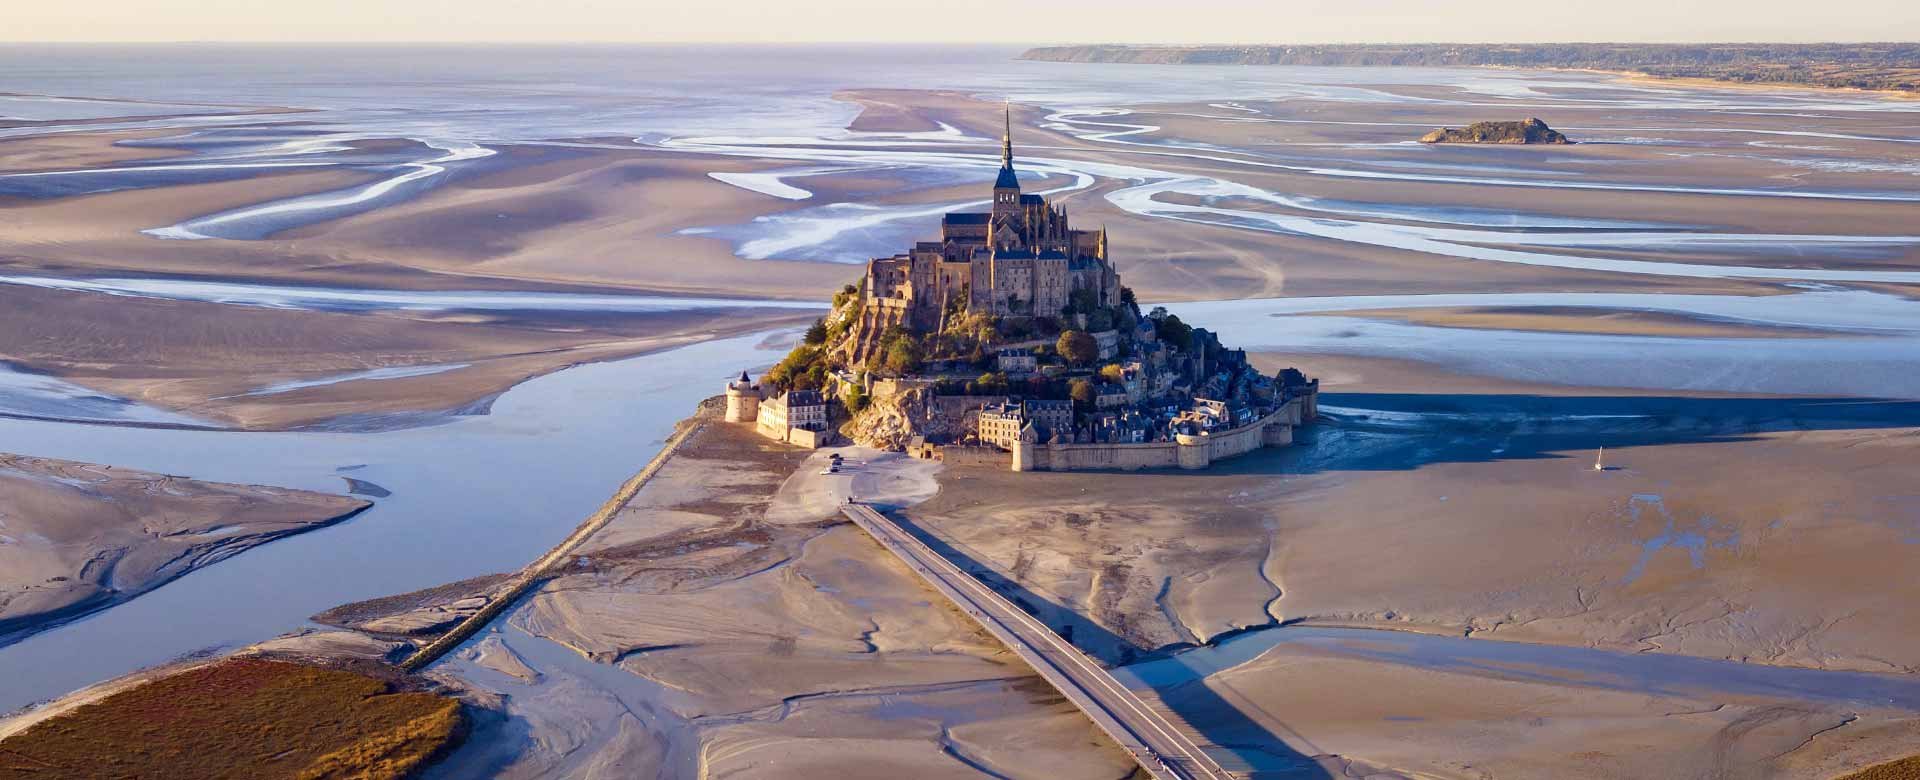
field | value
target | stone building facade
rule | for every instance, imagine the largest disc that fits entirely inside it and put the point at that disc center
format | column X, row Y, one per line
column 1001, row 424
column 803, row 409
column 796, row 417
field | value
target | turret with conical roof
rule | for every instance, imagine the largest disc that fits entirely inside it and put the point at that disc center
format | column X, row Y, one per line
column 743, row 399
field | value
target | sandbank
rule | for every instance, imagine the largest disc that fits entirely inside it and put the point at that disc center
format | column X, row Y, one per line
column 77, row 537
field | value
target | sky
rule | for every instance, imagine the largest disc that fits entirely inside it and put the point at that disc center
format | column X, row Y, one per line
column 961, row 21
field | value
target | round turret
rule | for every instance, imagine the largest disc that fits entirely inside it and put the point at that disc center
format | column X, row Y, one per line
column 743, row 400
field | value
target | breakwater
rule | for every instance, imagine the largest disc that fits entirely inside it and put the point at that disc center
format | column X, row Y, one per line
column 537, row 572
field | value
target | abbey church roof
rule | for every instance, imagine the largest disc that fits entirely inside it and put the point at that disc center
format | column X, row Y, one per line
column 1007, row 180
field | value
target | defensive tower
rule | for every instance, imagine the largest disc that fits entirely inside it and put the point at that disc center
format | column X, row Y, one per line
column 743, row 400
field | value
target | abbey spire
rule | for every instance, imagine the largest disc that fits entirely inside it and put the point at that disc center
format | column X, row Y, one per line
column 1006, row 138
column 1006, row 188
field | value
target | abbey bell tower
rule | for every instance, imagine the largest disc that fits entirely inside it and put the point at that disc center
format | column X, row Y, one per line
column 1006, row 189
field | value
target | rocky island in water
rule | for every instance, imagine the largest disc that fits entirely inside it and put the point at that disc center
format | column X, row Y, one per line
column 1532, row 131
column 1011, row 341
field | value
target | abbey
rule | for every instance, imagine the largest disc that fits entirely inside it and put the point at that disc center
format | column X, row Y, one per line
column 1019, row 259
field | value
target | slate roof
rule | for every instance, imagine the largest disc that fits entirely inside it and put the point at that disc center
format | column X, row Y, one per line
column 1007, row 178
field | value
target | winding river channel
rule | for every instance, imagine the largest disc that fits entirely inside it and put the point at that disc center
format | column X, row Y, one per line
column 483, row 494
column 473, row 496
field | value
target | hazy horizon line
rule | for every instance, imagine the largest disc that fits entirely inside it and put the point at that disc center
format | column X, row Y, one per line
column 895, row 42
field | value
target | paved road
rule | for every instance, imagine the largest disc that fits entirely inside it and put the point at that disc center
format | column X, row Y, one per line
column 1142, row 730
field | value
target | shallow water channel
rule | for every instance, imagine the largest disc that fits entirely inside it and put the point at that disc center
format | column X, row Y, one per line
column 485, row 494
column 473, row 496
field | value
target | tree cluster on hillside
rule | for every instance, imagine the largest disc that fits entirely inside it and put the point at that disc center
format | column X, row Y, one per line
column 1078, row 347
column 1170, row 329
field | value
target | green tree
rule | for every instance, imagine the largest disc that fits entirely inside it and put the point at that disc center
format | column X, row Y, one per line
column 857, row 400
column 991, row 383
column 1126, row 297
column 903, row 357
column 1099, row 320
column 794, row 367
column 1078, row 347
column 845, row 294
column 1083, row 301
column 1176, row 333
column 817, row 333
column 1081, row 391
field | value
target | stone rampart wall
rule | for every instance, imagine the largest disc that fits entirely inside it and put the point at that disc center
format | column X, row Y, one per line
column 1194, row 452
column 1092, row 457
column 991, row 457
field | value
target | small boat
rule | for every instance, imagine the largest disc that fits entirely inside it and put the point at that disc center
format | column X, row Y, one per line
column 1599, row 461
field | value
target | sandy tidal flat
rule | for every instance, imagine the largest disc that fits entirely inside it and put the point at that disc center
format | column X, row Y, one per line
column 1355, row 715
column 1484, row 528
column 266, row 368
column 1726, row 533
column 1550, row 319
column 75, row 537
column 718, row 627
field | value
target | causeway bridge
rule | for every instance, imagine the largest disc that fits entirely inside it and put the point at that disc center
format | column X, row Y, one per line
column 1143, row 730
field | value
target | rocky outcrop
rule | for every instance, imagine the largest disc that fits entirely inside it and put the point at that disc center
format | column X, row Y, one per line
column 892, row 420
column 1532, row 131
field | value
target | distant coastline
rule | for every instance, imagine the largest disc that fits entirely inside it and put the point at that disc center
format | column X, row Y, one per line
column 1890, row 68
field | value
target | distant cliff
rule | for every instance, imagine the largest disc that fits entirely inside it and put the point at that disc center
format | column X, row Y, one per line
column 1532, row 131
column 1880, row 66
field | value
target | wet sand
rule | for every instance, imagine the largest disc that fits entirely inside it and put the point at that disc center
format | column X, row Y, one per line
column 1754, row 530
column 616, row 216
column 720, row 625
column 84, row 150
column 1482, row 515
column 1552, row 319
column 716, row 629
column 1320, row 707
column 605, row 218
column 78, row 537
column 232, row 366
column 612, row 213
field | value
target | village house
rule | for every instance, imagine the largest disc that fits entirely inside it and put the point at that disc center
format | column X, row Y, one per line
column 795, row 416
column 1017, row 362
column 1000, row 424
